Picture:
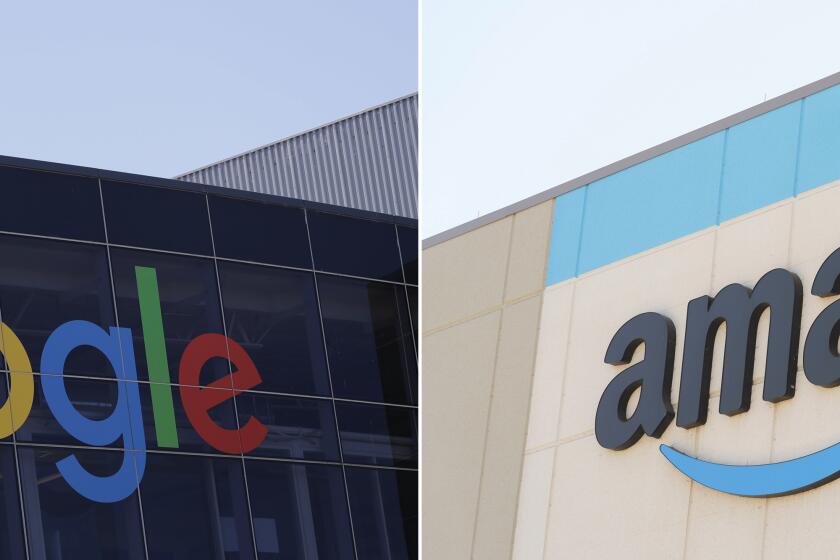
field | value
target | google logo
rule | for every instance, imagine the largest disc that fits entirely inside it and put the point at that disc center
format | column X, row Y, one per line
column 125, row 421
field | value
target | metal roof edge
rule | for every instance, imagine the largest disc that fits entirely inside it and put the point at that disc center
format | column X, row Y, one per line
column 297, row 134
column 622, row 164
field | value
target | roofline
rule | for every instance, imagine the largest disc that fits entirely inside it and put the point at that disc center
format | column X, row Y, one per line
column 147, row 180
column 298, row 134
column 622, row 164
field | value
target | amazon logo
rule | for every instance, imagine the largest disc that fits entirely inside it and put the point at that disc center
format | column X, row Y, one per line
column 780, row 292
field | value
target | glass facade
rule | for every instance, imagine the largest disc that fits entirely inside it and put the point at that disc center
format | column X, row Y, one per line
column 322, row 301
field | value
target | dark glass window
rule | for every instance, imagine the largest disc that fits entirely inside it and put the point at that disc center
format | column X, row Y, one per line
column 273, row 314
column 223, row 415
column 378, row 435
column 195, row 508
column 412, row 306
column 64, row 524
column 45, row 283
column 4, row 396
column 298, row 428
column 189, row 304
column 408, row 250
column 370, row 350
column 42, row 203
column 297, row 508
column 11, row 526
column 157, row 218
column 355, row 247
column 93, row 398
column 253, row 231
column 385, row 512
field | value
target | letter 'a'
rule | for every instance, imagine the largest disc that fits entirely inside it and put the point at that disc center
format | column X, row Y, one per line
column 652, row 376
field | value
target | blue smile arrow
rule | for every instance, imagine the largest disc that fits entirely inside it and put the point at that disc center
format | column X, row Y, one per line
column 760, row 481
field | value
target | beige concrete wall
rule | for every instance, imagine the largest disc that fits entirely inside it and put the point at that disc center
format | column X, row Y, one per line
column 482, row 296
column 578, row 500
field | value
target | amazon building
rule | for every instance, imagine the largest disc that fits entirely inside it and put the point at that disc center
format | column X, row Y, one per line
column 218, row 367
column 643, row 362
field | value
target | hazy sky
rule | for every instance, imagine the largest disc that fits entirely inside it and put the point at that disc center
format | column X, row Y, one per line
column 522, row 95
column 161, row 87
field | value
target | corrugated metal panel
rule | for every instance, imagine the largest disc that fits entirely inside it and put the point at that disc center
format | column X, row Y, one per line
column 366, row 161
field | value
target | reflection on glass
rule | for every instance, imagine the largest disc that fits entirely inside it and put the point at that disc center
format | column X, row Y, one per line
column 273, row 314
column 156, row 218
column 52, row 204
column 378, row 435
column 44, row 284
column 259, row 232
column 385, row 512
column 189, row 304
column 298, row 428
column 299, row 511
column 223, row 415
column 408, row 250
column 195, row 508
column 93, row 398
column 356, row 247
column 62, row 524
column 11, row 528
column 369, row 344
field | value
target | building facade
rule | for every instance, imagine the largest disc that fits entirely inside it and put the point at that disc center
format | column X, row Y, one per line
column 642, row 363
column 198, row 372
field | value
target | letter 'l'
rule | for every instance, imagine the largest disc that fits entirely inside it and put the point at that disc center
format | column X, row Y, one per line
column 156, row 359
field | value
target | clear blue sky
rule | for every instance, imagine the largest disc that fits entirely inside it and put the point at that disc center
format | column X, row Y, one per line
column 522, row 95
column 161, row 87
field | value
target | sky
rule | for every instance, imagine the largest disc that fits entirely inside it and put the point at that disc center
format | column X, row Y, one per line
column 163, row 87
column 519, row 96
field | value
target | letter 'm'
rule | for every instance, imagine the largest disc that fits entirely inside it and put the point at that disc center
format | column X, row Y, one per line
column 740, row 308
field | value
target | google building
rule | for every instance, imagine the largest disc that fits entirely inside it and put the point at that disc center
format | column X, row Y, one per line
column 644, row 362
column 194, row 370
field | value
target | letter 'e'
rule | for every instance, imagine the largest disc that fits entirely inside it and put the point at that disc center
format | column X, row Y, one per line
column 652, row 376
column 199, row 400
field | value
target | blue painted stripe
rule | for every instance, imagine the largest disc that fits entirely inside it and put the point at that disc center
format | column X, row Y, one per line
column 771, row 479
column 766, row 159
column 565, row 236
column 652, row 203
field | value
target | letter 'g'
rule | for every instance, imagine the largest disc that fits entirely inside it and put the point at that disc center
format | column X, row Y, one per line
column 17, row 407
column 124, row 422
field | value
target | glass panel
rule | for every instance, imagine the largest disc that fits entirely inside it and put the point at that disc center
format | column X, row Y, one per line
column 252, row 231
column 223, row 415
column 189, row 305
column 298, row 428
column 355, row 247
column 11, row 525
column 412, row 306
column 4, row 396
column 44, row 284
column 370, row 350
column 95, row 399
column 273, row 314
column 385, row 512
column 157, row 218
column 299, row 511
column 195, row 508
column 408, row 250
column 378, row 435
column 42, row 203
column 62, row 524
